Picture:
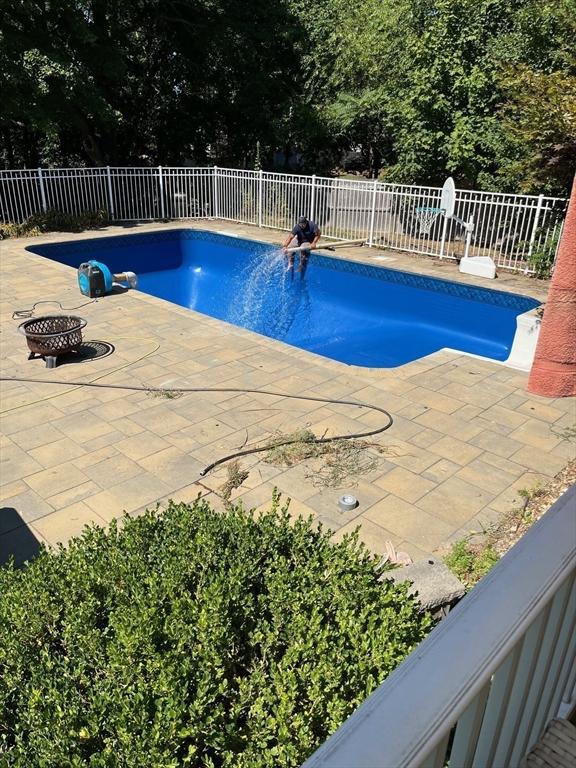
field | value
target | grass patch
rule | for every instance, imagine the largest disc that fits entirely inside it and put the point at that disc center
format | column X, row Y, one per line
column 470, row 562
column 167, row 394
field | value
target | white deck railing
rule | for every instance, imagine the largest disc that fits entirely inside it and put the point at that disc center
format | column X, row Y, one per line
column 480, row 690
column 509, row 228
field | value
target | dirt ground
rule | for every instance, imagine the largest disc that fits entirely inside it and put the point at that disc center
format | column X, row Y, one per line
column 537, row 502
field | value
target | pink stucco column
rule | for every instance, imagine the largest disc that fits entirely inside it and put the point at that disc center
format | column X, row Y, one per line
column 553, row 371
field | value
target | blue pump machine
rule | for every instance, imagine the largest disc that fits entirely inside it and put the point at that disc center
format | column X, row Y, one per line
column 95, row 279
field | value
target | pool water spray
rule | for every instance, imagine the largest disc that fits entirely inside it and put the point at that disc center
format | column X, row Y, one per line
column 256, row 306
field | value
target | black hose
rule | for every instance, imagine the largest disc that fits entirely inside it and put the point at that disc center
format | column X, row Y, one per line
column 247, row 451
column 20, row 314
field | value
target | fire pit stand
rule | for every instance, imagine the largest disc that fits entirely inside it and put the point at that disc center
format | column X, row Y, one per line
column 52, row 336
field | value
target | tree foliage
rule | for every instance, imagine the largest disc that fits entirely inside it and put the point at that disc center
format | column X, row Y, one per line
column 436, row 87
column 480, row 89
column 193, row 638
column 109, row 81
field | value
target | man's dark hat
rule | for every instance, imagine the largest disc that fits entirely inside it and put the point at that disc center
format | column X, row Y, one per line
column 303, row 220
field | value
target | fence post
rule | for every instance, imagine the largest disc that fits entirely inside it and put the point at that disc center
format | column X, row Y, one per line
column 312, row 197
column 260, row 197
column 443, row 241
column 42, row 192
column 161, row 185
column 535, row 225
column 215, row 193
column 373, row 214
column 110, row 195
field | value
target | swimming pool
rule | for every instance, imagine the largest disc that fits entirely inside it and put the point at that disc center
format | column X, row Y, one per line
column 354, row 313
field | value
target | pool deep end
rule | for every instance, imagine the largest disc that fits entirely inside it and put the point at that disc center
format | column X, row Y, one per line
column 355, row 313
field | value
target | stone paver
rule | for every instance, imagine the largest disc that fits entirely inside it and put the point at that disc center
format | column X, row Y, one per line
column 72, row 495
column 373, row 535
column 17, row 464
column 467, row 437
column 57, row 478
column 455, row 501
column 410, row 523
column 455, row 450
column 70, row 521
column 405, row 484
column 56, row 452
column 111, row 471
column 28, row 505
column 129, row 496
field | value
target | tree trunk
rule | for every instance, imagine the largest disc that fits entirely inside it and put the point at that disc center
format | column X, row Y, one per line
column 375, row 161
column 287, row 156
column 31, row 154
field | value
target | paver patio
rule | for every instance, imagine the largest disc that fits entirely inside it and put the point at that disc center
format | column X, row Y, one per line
column 467, row 436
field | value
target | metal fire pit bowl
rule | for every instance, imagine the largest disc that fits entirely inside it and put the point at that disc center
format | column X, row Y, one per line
column 52, row 335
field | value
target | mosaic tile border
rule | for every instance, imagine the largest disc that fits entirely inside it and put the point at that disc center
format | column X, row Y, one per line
column 423, row 282
column 103, row 243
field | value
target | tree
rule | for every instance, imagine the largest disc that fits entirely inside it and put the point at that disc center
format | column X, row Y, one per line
column 142, row 81
column 478, row 89
column 539, row 108
column 429, row 87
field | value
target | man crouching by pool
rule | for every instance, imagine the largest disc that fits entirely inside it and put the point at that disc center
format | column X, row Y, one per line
column 305, row 235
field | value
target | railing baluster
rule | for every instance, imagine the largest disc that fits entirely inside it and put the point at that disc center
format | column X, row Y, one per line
column 554, row 687
column 42, row 192
column 161, row 192
column 524, row 734
column 528, row 655
column 535, row 225
column 110, row 195
column 437, row 758
column 215, row 193
column 468, row 729
column 372, row 213
column 567, row 667
column 494, row 714
column 312, row 197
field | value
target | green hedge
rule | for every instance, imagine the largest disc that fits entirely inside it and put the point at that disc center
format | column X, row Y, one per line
column 55, row 221
column 193, row 638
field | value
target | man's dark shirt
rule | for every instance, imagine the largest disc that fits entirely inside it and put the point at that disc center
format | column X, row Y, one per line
column 307, row 234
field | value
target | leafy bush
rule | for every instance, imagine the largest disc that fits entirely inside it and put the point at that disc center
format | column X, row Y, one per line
column 195, row 638
column 55, row 221
column 542, row 257
column 10, row 229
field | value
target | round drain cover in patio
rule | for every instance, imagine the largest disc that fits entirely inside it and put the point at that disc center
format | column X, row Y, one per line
column 89, row 350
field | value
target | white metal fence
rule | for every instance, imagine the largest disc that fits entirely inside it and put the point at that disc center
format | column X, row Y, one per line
column 512, row 229
column 482, row 687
